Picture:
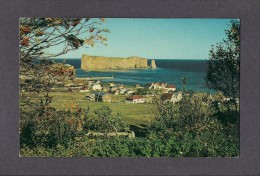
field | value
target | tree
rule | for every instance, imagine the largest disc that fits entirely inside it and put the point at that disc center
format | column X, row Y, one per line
column 37, row 35
column 224, row 63
column 42, row 38
column 142, row 91
column 106, row 122
column 184, row 81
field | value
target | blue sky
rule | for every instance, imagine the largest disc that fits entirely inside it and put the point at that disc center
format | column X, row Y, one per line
column 159, row 38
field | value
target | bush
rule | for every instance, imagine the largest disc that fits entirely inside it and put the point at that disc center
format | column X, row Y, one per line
column 48, row 127
column 104, row 121
column 192, row 128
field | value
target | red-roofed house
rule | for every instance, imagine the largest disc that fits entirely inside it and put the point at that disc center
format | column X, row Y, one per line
column 169, row 87
column 84, row 89
column 135, row 99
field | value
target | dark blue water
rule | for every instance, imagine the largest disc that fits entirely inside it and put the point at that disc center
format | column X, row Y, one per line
column 169, row 71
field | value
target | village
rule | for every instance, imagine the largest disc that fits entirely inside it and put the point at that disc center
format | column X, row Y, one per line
column 97, row 91
column 134, row 102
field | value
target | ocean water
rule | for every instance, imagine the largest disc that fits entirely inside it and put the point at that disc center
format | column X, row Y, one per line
column 167, row 70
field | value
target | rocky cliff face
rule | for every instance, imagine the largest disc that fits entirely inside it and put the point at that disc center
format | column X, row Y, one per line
column 153, row 65
column 112, row 63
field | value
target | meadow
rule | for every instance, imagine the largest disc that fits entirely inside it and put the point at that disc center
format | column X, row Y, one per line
column 132, row 114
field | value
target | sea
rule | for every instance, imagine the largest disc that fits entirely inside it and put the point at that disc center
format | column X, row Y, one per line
column 168, row 70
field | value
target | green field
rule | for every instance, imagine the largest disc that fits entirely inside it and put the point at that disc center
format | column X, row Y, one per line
column 133, row 114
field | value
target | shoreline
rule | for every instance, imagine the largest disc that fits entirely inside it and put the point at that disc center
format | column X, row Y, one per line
column 94, row 78
column 114, row 70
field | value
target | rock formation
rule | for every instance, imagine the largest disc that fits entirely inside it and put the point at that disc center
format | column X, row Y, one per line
column 112, row 63
column 153, row 65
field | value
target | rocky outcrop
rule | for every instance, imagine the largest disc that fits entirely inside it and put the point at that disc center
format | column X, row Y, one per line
column 62, row 69
column 112, row 63
column 153, row 65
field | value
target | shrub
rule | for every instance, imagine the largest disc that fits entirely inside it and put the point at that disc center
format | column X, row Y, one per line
column 104, row 121
column 48, row 127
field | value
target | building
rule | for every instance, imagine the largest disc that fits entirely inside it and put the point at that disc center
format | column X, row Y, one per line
column 135, row 99
column 84, row 89
column 112, row 84
column 122, row 91
column 171, row 97
column 177, row 97
column 137, row 86
column 96, row 86
column 116, row 92
column 130, row 92
column 73, row 89
column 156, row 86
column 90, row 83
column 121, row 86
column 112, row 89
column 169, row 88
column 159, row 85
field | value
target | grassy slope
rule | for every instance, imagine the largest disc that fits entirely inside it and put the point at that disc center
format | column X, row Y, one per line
column 133, row 114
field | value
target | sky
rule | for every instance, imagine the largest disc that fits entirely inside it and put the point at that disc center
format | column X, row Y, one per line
column 158, row 38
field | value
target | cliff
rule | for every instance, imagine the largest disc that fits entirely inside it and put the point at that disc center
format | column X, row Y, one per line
column 112, row 63
column 153, row 65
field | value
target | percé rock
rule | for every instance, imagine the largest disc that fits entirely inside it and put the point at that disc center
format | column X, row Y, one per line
column 112, row 63
column 153, row 65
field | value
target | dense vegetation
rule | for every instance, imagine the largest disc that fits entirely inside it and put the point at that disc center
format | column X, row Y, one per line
column 198, row 125
column 224, row 63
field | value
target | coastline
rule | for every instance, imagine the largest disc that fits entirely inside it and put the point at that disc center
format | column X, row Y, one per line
column 169, row 71
column 94, row 78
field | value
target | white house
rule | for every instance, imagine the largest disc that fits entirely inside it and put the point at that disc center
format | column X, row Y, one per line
column 90, row 83
column 116, row 92
column 112, row 84
column 96, row 86
column 122, row 91
column 137, row 86
column 135, row 99
column 130, row 92
column 157, row 85
column 112, row 89
column 121, row 86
